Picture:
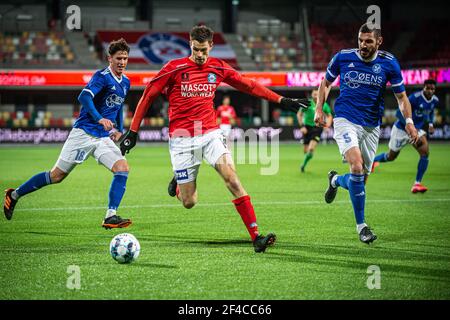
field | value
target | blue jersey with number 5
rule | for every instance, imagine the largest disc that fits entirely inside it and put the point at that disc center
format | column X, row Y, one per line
column 362, row 85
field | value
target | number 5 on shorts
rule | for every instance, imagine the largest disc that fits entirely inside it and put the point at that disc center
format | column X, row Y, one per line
column 347, row 139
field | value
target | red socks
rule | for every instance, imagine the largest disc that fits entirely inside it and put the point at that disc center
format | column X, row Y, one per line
column 245, row 208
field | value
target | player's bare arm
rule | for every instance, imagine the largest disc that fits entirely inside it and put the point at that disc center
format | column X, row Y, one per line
column 324, row 90
column 106, row 123
column 405, row 108
column 115, row 136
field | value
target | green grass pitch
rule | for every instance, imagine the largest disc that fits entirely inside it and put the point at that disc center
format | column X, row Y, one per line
column 205, row 252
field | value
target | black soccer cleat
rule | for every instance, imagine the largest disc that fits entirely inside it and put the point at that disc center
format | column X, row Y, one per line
column 172, row 188
column 302, row 169
column 262, row 242
column 330, row 194
column 8, row 204
column 367, row 236
column 115, row 221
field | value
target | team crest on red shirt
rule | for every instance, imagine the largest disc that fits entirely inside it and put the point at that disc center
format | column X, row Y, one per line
column 212, row 77
column 185, row 76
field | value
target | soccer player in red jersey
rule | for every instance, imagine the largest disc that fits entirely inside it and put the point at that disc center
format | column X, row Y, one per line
column 226, row 116
column 190, row 84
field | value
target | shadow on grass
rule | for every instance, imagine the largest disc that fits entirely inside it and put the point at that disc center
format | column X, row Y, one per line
column 391, row 261
column 182, row 241
column 138, row 264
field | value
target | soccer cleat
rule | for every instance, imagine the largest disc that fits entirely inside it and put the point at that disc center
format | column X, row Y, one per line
column 330, row 194
column 115, row 222
column 418, row 187
column 172, row 188
column 9, row 204
column 367, row 236
column 302, row 169
column 374, row 165
column 262, row 242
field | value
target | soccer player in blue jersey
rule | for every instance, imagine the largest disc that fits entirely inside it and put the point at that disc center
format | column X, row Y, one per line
column 364, row 73
column 423, row 104
column 99, row 125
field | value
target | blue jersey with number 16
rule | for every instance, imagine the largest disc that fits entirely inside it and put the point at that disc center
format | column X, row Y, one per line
column 362, row 85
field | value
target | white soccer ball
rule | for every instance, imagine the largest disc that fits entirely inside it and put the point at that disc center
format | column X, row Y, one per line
column 124, row 248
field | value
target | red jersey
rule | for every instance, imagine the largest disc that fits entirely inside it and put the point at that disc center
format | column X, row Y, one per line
column 225, row 113
column 190, row 89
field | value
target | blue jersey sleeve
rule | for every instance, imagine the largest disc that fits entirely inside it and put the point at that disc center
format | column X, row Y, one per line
column 333, row 68
column 96, row 84
column 395, row 77
column 119, row 120
column 87, row 102
column 431, row 116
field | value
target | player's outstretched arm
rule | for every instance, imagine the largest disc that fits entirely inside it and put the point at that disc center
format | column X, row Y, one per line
column 294, row 105
column 152, row 90
column 253, row 88
column 405, row 108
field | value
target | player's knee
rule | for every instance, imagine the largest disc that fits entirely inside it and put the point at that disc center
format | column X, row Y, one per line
column 357, row 167
column 189, row 203
column 121, row 166
column 57, row 176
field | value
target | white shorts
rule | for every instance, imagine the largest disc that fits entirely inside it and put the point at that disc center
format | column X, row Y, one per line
column 399, row 138
column 226, row 130
column 348, row 135
column 187, row 153
column 80, row 145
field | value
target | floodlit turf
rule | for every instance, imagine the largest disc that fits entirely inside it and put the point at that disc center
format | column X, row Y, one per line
column 205, row 252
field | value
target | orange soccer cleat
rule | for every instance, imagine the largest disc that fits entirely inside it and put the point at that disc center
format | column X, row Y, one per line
column 374, row 165
column 418, row 187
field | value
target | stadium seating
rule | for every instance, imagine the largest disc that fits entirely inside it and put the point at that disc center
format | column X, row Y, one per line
column 273, row 52
column 35, row 48
column 427, row 48
column 48, row 119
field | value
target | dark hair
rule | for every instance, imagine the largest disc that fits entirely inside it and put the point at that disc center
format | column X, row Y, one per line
column 118, row 45
column 201, row 34
column 430, row 81
column 365, row 29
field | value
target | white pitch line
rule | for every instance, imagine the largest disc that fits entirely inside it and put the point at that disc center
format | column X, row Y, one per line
column 224, row 204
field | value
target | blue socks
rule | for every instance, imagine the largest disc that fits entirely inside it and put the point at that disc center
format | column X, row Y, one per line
column 421, row 168
column 117, row 189
column 342, row 181
column 34, row 183
column 354, row 183
column 382, row 157
column 357, row 192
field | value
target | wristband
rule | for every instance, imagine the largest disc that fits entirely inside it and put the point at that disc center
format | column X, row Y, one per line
column 409, row 120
